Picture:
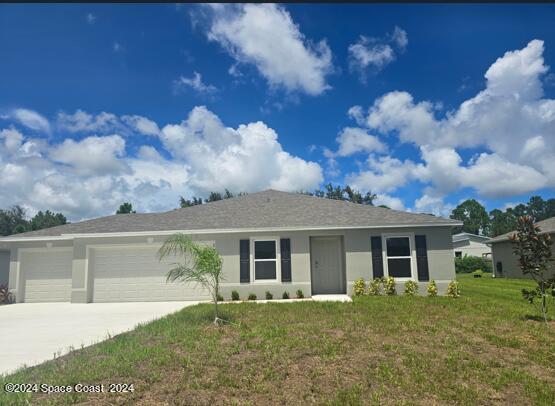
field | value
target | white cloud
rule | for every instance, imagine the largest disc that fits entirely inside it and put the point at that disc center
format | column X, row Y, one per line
column 352, row 140
column 117, row 47
column 266, row 36
column 92, row 176
column 376, row 53
column 244, row 159
column 195, row 83
column 509, row 120
column 104, row 123
column 31, row 119
column 390, row 201
column 91, row 18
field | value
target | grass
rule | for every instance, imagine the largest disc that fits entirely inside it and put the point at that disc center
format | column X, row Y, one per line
column 482, row 348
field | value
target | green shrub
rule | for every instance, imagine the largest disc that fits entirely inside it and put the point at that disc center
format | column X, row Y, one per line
column 468, row 264
column 300, row 294
column 359, row 287
column 432, row 288
column 269, row 295
column 285, row 295
column 252, row 296
column 375, row 287
column 389, row 286
column 478, row 273
column 219, row 298
column 453, row 289
column 411, row 288
column 6, row 297
column 234, row 295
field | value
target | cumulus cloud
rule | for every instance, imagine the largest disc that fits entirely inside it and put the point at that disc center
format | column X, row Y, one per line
column 510, row 121
column 104, row 123
column 247, row 158
column 376, row 53
column 31, row 119
column 92, row 176
column 265, row 35
column 195, row 83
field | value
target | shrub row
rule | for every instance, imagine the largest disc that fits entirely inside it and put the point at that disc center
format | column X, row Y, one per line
column 386, row 286
column 269, row 296
column 468, row 264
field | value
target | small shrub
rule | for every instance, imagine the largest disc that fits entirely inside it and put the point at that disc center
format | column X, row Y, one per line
column 269, row 295
column 478, row 273
column 300, row 294
column 411, row 288
column 389, row 286
column 453, row 289
column 375, row 287
column 432, row 288
column 469, row 263
column 234, row 295
column 285, row 295
column 252, row 296
column 6, row 297
column 219, row 298
column 359, row 287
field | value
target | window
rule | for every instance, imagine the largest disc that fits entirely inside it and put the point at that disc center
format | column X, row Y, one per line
column 398, row 257
column 458, row 254
column 265, row 260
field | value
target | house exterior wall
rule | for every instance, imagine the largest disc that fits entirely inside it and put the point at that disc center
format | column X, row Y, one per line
column 503, row 252
column 471, row 248
column 4, row 267
column 357, row 259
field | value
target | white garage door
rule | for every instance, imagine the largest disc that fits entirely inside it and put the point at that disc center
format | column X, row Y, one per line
column 46, row 275
column 134, row 274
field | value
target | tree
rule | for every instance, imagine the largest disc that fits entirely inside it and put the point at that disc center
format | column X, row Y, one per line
column 536, row 208
column 47, row 219
column 500, row 222
column 473, row 215
column 125, row 208
column 213, row 197
column 201, row 265
column 188, row 203
column 12, row 219
column 534, row 257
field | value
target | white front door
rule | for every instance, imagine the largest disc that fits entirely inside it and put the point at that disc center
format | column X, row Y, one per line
column 326, row 265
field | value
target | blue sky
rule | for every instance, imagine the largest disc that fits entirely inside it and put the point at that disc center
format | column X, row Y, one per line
column 425, row 105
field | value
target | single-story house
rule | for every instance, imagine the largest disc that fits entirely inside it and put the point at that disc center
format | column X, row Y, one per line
column 471, row 244
column 269, row 241
column 505, row 263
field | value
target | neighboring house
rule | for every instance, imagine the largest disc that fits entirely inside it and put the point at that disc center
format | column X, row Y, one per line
column 505, row 263
column 4, row 266
column 471, row 244
column 269, row 241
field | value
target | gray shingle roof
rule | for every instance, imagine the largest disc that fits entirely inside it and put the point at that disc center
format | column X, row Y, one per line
column 546, row 226
column 268, row 209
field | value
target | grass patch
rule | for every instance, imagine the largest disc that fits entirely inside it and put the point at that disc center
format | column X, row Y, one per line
column 481, row 348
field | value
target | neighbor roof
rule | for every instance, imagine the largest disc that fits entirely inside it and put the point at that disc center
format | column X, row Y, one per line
column 546, row 226
column 268, row 209
column 468, row 236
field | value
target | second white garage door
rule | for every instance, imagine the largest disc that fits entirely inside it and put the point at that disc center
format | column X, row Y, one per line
column 134, row 274
column 46, row 275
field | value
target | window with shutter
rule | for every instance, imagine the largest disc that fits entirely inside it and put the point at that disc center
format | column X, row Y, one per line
column 244, row 261
column 285, row 245
column 377, row 257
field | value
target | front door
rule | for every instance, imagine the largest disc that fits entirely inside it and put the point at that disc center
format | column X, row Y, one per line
column 326, row 265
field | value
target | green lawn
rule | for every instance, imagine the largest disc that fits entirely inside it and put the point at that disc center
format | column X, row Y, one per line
column 482, row 348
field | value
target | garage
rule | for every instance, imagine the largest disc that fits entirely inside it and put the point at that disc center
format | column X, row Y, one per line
column 134, row 274
column 46, row 274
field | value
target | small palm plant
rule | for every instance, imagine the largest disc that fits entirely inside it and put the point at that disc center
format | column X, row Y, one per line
column 201, row 265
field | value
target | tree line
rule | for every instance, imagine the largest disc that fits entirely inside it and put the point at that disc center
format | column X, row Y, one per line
column 477, row 220
column 14, row 220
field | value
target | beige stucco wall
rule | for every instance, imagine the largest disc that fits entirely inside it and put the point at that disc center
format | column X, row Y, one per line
column 357, row 259
column 471, row 248
column 503, row 252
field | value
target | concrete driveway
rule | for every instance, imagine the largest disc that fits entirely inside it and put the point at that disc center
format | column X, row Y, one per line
column 33, row 332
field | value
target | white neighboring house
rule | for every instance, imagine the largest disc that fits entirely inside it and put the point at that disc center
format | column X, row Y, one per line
column 472, row 245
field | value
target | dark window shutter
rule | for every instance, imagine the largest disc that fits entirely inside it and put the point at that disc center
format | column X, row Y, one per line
column 377, row 257
column 285, row 245
column 422, row 258
column 499, row 267
column 244, row 260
